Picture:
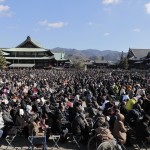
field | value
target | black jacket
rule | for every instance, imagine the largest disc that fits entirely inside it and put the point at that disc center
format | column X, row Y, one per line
column 78, row 125
column 142, row 130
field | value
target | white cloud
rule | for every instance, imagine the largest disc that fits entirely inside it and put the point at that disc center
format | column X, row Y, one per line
column 107, row 2
column 4, row 8
column 106, row 34
column 137, row 30
column 53, row 24
column 147, row 6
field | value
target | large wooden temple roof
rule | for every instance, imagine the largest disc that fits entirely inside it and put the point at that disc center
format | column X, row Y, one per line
column 138, row 53
column 30, row 43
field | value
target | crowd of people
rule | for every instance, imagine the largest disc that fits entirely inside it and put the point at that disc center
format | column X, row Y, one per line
column 63, row 101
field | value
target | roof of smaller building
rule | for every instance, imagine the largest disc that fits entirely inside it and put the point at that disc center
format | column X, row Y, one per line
column 100, row 61
column 59, row 55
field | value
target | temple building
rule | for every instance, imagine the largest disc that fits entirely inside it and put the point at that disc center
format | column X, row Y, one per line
column 31, row 54
column 139, row 58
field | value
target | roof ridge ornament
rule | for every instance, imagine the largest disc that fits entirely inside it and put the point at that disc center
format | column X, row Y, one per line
column 28, row 38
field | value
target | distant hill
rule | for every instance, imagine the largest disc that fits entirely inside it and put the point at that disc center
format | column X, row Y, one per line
column 93, row 54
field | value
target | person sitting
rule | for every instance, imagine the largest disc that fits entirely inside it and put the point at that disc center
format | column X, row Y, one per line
column 138, row 106
column 130, row 103
column 132, row 117
column 57, row 124
column 101, row 122
column 37, row 128
column 122, row 108
column 119, row 130
column 80, row 127
column 7, row 117
column 142, row 129
column 105, row 135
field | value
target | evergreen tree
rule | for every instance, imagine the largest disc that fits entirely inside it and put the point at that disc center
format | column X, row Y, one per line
column 125, row 63
column 2, row 60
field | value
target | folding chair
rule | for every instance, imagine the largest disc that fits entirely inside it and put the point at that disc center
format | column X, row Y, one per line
column 75, row 138
column 9, row 139
column 141, row 143
column 37, row 140
column 55, row 139
column 12, row 133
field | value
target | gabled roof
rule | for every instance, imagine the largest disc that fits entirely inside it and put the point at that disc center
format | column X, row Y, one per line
column 139, row 53
column 31, row 42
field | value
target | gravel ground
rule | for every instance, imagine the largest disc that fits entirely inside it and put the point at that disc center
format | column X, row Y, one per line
column 21, row 143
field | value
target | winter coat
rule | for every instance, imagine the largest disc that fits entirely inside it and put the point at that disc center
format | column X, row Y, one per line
column 119, row 130
column 78, row 125
column 104, row 134
column 7, row 117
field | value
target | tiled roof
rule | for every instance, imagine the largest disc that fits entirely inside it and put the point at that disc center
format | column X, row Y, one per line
column 139, row 53
column 28, row 39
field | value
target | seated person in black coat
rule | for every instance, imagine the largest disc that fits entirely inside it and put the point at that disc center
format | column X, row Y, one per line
column 142, row 129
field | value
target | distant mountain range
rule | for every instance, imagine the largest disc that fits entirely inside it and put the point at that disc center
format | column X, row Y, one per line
column 89, row 54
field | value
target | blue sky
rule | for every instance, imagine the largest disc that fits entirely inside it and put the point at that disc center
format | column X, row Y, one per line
column 80, row 24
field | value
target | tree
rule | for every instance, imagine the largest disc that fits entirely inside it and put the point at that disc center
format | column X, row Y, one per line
column 123, row 62
column 78, row 64
column 2, row 60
